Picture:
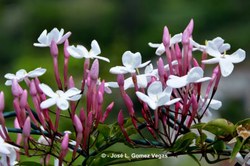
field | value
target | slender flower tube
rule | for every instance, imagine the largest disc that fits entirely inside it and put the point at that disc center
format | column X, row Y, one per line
column 26, row 134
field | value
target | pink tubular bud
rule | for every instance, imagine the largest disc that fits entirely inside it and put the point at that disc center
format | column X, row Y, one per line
column 65, row 143
column 82, row 115
column 100, row 97
column 71, row 82
column 33, row 90
column 161, row 70
column 26, row 127
column 120, row 118
column 106, row 113
column 188, row 32
column 94, row 71
column 78, row 124
column 120, row 80
column 23, row 99
column 16, row 89
column 65, row 51
column 53, row 49
column 1, row 101
column 166, row 37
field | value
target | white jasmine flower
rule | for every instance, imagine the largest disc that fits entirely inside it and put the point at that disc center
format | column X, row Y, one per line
column 217, row 43
column 81, row 52
column 7, row 151
column 22, row 74
column 161, row 48
column 157, row 96
column 214, row 104
column 195, row 75
column 45, row 39
column 60, row 98
column 225, row 61
column 131, row 62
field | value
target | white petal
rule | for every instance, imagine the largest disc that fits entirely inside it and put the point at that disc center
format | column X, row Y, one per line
column 40, row 45
column 95, row 49
column 168, row 91
column 37, row 72
column 4, row 150
column 148, row 69
column 143, row 64
column 194, row 74
column 128, row 83
column 66, row 36
column 9, row 76
column 163, row 100
column 160, row 50
column 62, row 103
column 146, row 99
column 237, row 57
column 142, row 81
column 47, row 90
column 173, row 101
column 226, row 67
column 131, row 60
column 197, row 45
column 43, row 37
column 177, row 82
column 48, row 103
column 71, row 92
column 224, row 47
column 54, row 34
column 215, row 104
column 112, row 84
column 218, row 41
column 154, row 89
column 119, row 70
column 212, row 50
column 8, row 82
column 102, row 58
column 75, row 97
column 211, row 61
column 203, row 79
column 176, row 39
column 77, row 52
column 154, row 45
column 20, row 74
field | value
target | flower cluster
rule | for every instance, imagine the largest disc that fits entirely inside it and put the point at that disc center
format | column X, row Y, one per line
column 170, row 95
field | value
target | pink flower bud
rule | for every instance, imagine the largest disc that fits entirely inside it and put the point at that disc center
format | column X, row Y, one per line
column 65, row 142
column 71, row 82
column 120, row 118
column 26, row 127
column 16, row 89
column 33, row 90
column 106, row 113
column 82, row 115
column 78, row 124
column 1, row 101
column 23, row 99
column 161, row 70
column 188, row 32
column 166, row 37
column 94, row 71
column 120, row 80
column 65, row 51
column 53, row 49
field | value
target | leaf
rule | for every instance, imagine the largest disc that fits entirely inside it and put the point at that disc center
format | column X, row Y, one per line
column 219, row 145
column 198, row 126
column 237, row 147
column 195, row 159
column 243, row 122
column 105, row 130
column 183, row 142
column 28, row 163
column 201, row 139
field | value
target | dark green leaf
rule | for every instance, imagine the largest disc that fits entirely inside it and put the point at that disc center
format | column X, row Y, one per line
column 237, row 147
column 29, row 163
column 104, row 129
column 195, row 159
column 184, row 141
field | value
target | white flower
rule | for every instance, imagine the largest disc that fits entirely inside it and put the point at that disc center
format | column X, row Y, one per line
column 214, row 104
column 217, row 43
column 59, row 97
column 157, row 96
column 45, row 39
column 7, row 151
column 131, row 62
column 195, row 75
column 22, row 74
column 225, row 61
column 81, row 52
column 161, row 48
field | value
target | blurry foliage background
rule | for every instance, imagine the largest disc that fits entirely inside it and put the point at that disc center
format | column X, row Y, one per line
column 125, row 25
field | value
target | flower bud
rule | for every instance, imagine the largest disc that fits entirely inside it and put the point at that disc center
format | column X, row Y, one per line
column 106, row 113
column 120, row 80
column 16, row 89
column 1, row 101
column 166, row 37
column 53, row 49
column 33, row 90
column 94, row 71
column 26, row 127
column 23, row 99
column 78, row 124
column 65, row 51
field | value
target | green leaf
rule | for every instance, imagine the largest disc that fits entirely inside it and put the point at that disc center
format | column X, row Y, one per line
column 219, row 145
column 237, row 147
column 198, row 126
column 195, row 159
column 104, row 129
column 183, row 142
column 245, row 122
column 201, row 139
column 29, row 163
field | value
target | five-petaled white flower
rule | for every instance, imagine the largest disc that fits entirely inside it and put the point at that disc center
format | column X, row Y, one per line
column 131, row 62
column 81, row 52
column 7, row 152
column 60, row 98
column 161, row 48
column 22, row 74
column 195, row 75
column 45, row 39
column 225, row 61
column 157, row 96
column 217, row 43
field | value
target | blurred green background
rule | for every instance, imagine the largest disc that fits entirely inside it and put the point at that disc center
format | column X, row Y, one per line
column 126, row 25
